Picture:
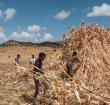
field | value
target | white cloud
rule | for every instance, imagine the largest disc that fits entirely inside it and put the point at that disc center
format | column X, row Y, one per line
column 34, row 28
column 8, row 13
column 32, row 36
column 103, row 10
column 2, row 34
column 62, row 15
column 47, row 37
column 26, row 36
column 22, row 36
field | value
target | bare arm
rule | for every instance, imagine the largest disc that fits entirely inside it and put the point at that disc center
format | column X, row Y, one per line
column 39, row 70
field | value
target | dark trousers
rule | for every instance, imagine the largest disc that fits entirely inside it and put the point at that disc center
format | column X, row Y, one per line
column 69, row 69
column 38, row 82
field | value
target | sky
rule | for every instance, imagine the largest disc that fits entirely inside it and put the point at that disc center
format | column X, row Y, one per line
column 47, row 20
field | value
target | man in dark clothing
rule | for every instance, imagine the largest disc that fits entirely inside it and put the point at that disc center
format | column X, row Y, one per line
column 17, row 59
column 70, row 63
column 38, row 77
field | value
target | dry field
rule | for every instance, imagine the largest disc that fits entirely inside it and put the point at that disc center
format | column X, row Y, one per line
column 10, row 88
column 25, row 52
column 90, row 84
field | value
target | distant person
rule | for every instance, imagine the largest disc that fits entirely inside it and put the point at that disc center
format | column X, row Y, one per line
column 9, row 56
column 70, row 63
column 32, row 60
column 17, row 59
column 38, row 72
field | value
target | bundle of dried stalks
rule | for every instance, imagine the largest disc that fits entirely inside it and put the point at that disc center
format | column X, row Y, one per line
column 91, row 81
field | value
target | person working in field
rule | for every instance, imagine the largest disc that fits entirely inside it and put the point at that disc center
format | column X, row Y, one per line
column 32, row 60
column 70, row 63
column 38, row 74
column 17, row 59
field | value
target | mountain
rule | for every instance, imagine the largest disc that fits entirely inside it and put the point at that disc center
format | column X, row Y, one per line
column 10, row 43
column 42, row 44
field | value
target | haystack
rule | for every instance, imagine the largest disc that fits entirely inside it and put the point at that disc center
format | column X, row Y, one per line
column 91, row 82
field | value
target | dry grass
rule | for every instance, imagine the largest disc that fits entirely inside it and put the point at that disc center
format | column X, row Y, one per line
column 16, row 82
column 90, row 84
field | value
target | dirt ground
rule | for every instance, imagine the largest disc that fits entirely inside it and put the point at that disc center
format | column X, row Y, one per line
column 25, row 52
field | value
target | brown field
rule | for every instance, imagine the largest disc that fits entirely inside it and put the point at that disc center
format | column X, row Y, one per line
column 25, row 52
column 10, row 91
column 90, row 84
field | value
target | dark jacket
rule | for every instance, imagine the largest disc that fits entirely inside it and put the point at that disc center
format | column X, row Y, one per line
column 72, row 60
column 17, row 60
column 38, row 64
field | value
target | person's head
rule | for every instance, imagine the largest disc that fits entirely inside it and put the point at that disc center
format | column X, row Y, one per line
column 74, row 53
column 33, row 56
column 9, row 56
column 18, row 55
column 42, row 56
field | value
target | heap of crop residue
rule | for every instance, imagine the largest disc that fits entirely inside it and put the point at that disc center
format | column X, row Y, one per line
column 91, row 82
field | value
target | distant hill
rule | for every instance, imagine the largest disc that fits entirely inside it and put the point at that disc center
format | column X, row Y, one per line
column 10, row 43
column 43, row 44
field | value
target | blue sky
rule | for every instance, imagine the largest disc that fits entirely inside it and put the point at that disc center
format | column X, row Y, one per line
column 47, row 20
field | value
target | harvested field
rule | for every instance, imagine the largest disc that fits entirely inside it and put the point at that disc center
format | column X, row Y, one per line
column 89, row 85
